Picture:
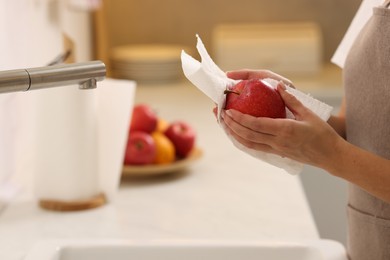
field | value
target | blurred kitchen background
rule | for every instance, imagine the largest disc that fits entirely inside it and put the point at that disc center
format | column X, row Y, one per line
column 295, row 38
column 175, row 22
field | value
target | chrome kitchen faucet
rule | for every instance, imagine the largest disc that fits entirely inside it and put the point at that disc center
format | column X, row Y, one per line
column 85, row 74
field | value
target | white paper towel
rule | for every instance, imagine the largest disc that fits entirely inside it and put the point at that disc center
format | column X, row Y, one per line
column 66, row 149
column 212, row 81
column 80, row 140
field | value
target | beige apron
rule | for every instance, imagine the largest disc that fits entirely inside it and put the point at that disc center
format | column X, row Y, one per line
column 367, row 92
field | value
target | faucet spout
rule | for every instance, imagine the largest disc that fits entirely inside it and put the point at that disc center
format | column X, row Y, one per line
column 89, row 84
column 85, row 74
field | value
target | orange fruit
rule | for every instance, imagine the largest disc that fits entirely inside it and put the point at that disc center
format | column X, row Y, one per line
column 162, row 125
column 165, row 153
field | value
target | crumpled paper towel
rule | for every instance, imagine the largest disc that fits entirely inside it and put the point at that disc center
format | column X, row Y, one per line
column 212, row 81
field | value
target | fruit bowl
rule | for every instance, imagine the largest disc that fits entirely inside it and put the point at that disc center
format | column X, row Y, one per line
column 158, row 169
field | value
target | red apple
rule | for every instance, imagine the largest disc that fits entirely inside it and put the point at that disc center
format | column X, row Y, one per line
column 257, row 98
column 182, row 136
column 140, row 149
column 143, row 119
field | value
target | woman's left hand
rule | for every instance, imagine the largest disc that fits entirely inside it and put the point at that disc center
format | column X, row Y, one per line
column 307, row 139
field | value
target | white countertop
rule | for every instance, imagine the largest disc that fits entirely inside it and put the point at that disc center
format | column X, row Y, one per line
column 226, row 195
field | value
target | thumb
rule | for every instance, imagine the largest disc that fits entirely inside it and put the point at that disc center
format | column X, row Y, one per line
column 291, row 102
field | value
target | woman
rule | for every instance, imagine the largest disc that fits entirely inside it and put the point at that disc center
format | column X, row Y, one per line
column 354, row 145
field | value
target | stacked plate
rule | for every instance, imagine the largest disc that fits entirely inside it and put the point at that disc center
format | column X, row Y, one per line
column 147, row 63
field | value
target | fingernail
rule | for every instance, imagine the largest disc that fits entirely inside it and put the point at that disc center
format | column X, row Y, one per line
column 228, row 112
column 282, row 85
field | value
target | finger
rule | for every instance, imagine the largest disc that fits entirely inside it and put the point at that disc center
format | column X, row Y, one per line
column 248, row 134
column 257, row 74
column 215, row 111
column 247, row 143
column 292, row 103
column 263, row 125
column 237, row 139
column 252, row 74
column 239, row 74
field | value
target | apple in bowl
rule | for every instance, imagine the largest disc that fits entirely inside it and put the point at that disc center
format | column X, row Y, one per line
column 143, row 119
column 140, row 149
column 182, row 136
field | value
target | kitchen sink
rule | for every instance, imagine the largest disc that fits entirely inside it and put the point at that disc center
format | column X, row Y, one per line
column 186, row 250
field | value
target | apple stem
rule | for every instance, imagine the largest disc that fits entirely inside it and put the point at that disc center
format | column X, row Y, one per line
column 230, row 91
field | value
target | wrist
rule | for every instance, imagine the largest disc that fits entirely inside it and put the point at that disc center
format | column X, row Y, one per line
column 337, row 160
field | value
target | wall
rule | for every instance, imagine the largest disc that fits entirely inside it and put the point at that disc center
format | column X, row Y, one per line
column 177, row 21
